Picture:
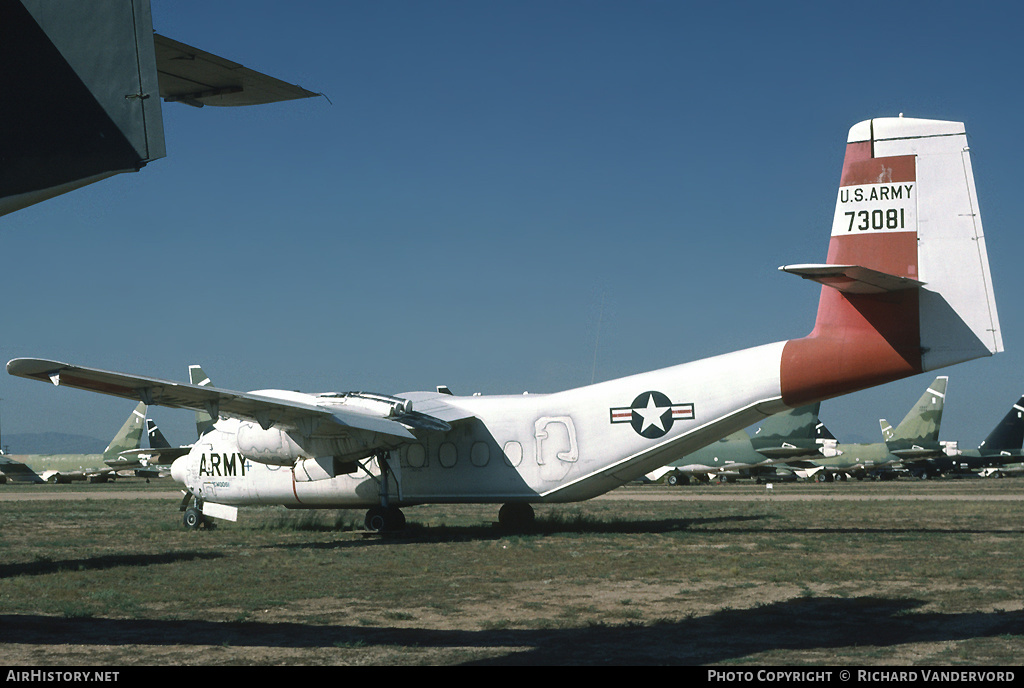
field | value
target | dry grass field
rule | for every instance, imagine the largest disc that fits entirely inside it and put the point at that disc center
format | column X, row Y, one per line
column 900, row 573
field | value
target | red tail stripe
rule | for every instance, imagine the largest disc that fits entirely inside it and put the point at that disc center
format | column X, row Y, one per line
column 879, row 170
column 860, row 340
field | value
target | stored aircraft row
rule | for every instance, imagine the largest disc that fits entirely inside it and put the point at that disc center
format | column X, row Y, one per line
column 783, row 438
column 912, row 448
column 123, row 456
column 915, row 439
column 905, row 288
column 66, row 468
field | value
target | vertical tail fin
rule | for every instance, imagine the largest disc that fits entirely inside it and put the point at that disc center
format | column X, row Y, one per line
column 204, row 421
column 1008, row 436
column 156, row 438
column 791, row 434
column 907, row 284
column 130, row 434
column 921, row 424
column 800, row 423
column 887, row 430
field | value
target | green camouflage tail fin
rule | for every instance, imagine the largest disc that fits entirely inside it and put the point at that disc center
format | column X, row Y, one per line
column 886, row 428
column 798, row 423
column 204, row 421
column 130, row 434
column 921, row 424
column 791, row 433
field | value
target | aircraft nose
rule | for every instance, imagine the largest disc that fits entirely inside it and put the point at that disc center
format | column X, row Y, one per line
column 179, row 470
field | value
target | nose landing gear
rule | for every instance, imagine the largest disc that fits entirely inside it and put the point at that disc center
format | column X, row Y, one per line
column 193, row 514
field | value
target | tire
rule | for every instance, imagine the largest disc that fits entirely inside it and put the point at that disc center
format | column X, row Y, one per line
column 193, row 518
column 516, row 516
column 381, row 519
column 375, row 521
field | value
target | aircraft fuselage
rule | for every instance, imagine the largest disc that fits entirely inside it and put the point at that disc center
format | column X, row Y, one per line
column 560, row 447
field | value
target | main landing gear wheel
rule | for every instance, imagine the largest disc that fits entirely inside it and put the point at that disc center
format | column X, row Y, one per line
column 516, row 516
column 676, row 479
column 384, row 519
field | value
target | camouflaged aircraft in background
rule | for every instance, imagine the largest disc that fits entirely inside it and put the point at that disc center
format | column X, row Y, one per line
column 12, row 471
column 916, row 438
column 149, row 462
column 1001, row 449
column 156, row 461
column 905, row 289
column 93, row 468
column 784, row 437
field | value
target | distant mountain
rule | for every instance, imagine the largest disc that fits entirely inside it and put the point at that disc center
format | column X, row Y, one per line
column 51, row 443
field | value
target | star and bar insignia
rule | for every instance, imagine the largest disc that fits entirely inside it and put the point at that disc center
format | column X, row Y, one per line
column 652, row 414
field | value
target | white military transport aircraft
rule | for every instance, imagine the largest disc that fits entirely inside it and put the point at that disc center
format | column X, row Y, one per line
column 906, row 290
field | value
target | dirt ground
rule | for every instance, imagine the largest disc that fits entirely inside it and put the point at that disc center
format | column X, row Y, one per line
column 764, row 626
column 632, row 621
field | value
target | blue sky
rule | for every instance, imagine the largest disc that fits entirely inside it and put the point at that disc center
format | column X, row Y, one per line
column 505, row 196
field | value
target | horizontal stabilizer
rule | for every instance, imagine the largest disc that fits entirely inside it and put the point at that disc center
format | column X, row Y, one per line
column 158, row 456
column 195, row 77
column 783, row 453
column 17, row 472
column 853, row 279
column 81, row 88
column 916, row 453
column 77, row 106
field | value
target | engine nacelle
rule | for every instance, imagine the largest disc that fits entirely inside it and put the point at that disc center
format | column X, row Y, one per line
column 272, row 446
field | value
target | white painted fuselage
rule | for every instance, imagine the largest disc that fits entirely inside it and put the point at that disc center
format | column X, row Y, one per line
column 560, row 447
